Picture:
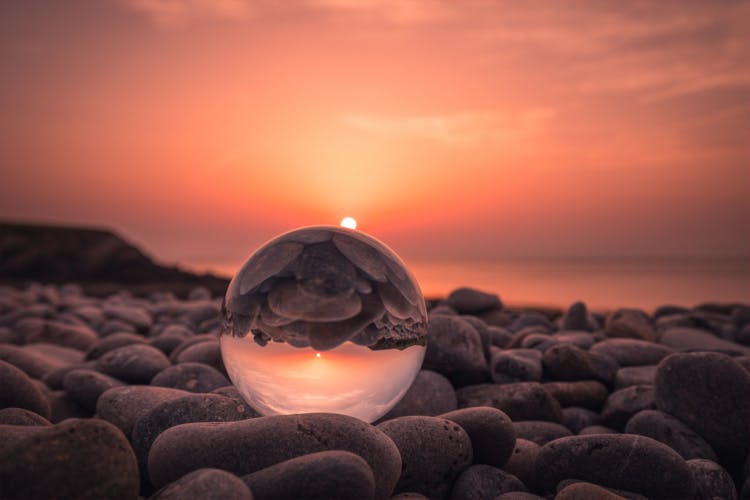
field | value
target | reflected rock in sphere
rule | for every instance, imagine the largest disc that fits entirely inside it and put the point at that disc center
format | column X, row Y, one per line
column 323, row 319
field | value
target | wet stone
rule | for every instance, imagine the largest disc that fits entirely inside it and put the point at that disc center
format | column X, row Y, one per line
column 334, row 475
column 434, row 451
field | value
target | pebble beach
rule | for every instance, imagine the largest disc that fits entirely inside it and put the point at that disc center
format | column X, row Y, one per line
column 127, row 397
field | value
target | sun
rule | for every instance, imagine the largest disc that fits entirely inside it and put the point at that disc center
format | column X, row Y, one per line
column 349, row 222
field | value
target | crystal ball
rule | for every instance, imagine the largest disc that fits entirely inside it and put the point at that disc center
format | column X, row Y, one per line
column 323, row 319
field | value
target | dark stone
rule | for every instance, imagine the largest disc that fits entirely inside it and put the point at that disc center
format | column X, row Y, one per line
column 516, row 365
column 234, row 446
column 472, row 301
column 34, row 364
column 632, row 352
column 577, row 318
column 85, row 386
column 55, row 378
column 539, row 341
column 581, row 490
column 583, row 340
column 484, row 334
column 166, row 343
column 670, row 431
column 208, row 353
column 568, row 362
column 430, row 394
column 490, row 430
column 192, row 377
column 191, row 341
column 623, row 404
column 540, row 431
column 709, row 393
column 596, row 429
column 499, row 337
column 135, row 363
column 635, row 375
column 454, row 349
column 86, row 459
column 584, row 393
column 520, row 401
column 20, row 416
column 518, row 495
column 37, row 330
column 576, row 418
column 206, row 484
column 63, row 407
column 711, row 480
column 522, row 462
column 18, row 391
column 186, row 409
column 434, row 451
column 622, row 461
column 123, row 406
column 531, row 319
column 694, row 339
column 113, row 342
column 484, row 481
column 630, row 323
column 334, row 475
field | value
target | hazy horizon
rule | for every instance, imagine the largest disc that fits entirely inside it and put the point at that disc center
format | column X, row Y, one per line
column 200, row 129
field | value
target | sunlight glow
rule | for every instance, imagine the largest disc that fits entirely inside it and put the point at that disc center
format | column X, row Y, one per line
column 349, row 222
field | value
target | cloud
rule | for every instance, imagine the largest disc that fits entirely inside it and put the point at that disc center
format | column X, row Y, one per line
column 175, row 13
column 457, row 129
column 396, row 11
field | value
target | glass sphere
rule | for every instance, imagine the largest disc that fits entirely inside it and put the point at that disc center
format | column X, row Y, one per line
column 323, row 319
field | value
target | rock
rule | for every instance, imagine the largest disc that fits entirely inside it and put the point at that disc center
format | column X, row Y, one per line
column 234, row 446
column 191, row 341
column 123, row 406
column 520, row 401
column 434, row 451
column 531, row 319
column 670, row 431
column 113, row 326
column 484, row 481
column 568, row 362
column 596, row 429
column 20, row 416
column 136, row 363
column 63, row 407
column 111, row 342
column 484, row 334
column 206, row 484
column 632, row 352
column 327, row 474
column 584, row 393
column 454, row 349
column 472, row 301
column 583, row 340
column 18, row 391
column 540, row 431
column 694, row 339
column 491, row 433
column 630, row 323
column 34, row 364
column 516, row 365
column 232, row 393
column 522, row 462
column 55, row 378
column 499, row 337
column 539, row 341
column 136, row 316
column 208, row 353
column 576, row 418
column 624, row 403
column 430, row 394
column 85, row 386
column 518, row 495
column 711, row 480
column 628, row 462
column 409, row 495
column 36, row 330
column 709, row 393
column 166, row 343
column 87, row 459
column 192, row 377
column 577, row 318
column 185, row 409
column 635, row 375
column 585, row 491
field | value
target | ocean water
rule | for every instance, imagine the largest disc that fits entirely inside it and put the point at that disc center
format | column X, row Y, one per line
column 602, row 283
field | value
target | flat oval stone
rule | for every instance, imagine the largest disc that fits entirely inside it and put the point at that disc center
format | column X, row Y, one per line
column 366, row 258
column 622, row 461
column 268, row 262
column 490, row 430
column 123, row 406
column 520, row 401
column 624, row 403
column 589, row 394
column 85, row 386
column 454, row 349
column 484, row 481
column 670, row 431
column 508, row 366
column 581, row 490
column 287, row 300
column 21, row 416
column 568, row 362
column 136, row 363
column 102, row 346
column 247, row 446
column 86, row 459
column 192, row 377
column 712, row 480
column 540, row 431
column 334, row 475
column 18, row 391
column 434, row 451
column 632, row 352
column 430, row 394
column 205, row 484
column 635, row 375
column 522, row 462
column 471, row 301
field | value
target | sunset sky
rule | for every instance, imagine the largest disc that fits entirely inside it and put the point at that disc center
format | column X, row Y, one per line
column 464, row 129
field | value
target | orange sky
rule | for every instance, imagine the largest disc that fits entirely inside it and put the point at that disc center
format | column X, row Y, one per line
column 448, row 129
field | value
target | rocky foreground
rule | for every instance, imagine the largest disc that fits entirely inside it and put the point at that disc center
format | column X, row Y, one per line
column 121, row 397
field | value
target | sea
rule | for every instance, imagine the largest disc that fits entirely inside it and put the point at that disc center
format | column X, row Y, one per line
column 602, row 283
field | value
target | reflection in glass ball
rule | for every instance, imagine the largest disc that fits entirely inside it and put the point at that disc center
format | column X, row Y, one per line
column 323, row 319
